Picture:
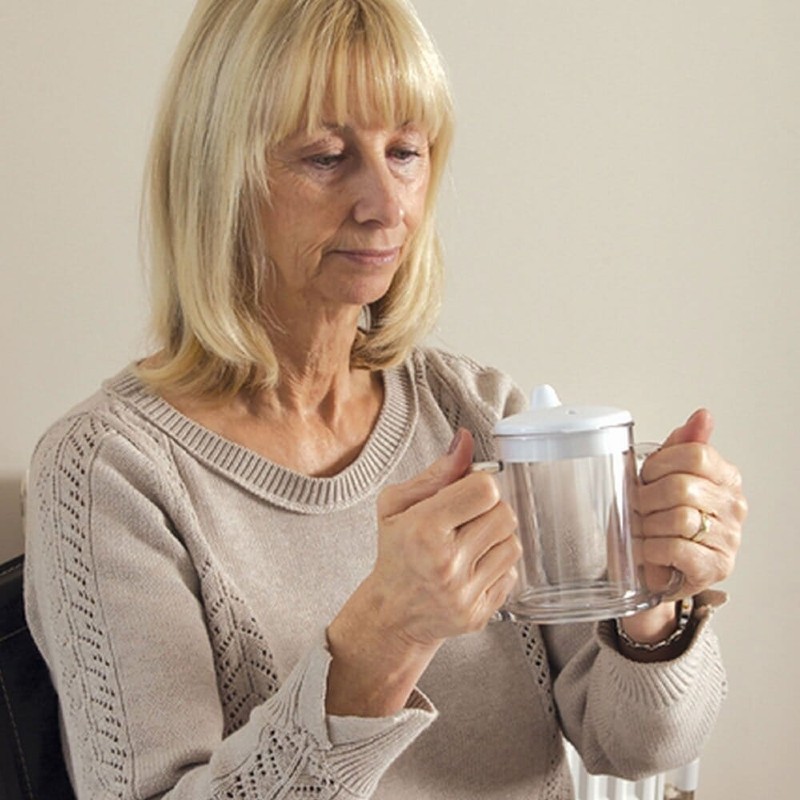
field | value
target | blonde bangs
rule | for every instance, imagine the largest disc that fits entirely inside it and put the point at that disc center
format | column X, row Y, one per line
column 362, row 62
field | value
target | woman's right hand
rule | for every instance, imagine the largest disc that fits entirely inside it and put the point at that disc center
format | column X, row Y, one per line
column 446, row 562
column 446, row 549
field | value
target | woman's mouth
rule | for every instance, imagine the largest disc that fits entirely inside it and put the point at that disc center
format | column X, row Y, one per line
column 371, row 257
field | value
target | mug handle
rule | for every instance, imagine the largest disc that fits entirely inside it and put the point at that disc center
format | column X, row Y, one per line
column 490, row 467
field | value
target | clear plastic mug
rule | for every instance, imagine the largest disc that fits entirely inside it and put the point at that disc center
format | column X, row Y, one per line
column 571, row 480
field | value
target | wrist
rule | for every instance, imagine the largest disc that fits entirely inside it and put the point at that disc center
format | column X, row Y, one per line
column 655, row 634
column 651, row 626
column 374, row 668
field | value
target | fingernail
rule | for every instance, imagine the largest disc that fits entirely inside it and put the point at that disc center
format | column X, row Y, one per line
column 454, row 443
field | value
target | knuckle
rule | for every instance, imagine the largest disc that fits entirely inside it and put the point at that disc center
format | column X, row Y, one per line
column 516, row 551
column 701, row 459
column 510, row 551
column 484, row 489
column 464, row 601
column 691, row 492
column 740, row 508
column 731, row 476
column 444, row 573
column 731, row 541
column 685, row 519
column 674, row 486
column 508, row 517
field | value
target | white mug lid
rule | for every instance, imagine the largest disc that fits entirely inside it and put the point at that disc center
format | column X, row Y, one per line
column 549, row 430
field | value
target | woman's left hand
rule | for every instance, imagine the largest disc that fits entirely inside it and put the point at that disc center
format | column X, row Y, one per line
column 691, row 510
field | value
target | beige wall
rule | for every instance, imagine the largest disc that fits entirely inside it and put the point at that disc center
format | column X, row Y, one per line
column 621, row 221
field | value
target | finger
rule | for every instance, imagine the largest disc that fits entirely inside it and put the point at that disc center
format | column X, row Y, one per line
column 430, row 522
column 701, row 566
column 497, row 594
column 444, row 471
column 477, row 537
column 696, row 527
column 497, row 561
column 682, row 521
column 698, row 428
column 656, row 577
column 679, row 489
column 495, row 576
column 691, row 458
column 457, row 504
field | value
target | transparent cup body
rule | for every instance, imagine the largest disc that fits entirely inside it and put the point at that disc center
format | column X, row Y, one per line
column 578, row 530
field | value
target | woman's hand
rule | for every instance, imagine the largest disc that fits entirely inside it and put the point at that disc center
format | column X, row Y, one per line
column 691, row 508
column 446, row 549
column 690, row 511
column 446, row 555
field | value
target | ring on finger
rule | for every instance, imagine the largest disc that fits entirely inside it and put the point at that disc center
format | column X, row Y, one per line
column 706, row 520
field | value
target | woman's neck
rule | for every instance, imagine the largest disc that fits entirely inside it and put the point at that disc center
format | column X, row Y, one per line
column 315, row 422
column 315, row 374
column 318, row 417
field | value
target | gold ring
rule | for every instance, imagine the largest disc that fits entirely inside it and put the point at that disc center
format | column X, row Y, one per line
column 705, row 527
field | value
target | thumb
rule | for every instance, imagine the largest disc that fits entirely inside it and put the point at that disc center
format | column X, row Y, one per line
column 445, row 470
column 697, row 428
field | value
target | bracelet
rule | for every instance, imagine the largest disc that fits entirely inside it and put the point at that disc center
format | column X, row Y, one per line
column 684, row 608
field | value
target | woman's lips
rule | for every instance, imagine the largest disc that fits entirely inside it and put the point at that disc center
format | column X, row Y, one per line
column 377, row 257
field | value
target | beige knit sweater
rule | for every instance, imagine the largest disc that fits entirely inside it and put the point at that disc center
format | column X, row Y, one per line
column 180, row 585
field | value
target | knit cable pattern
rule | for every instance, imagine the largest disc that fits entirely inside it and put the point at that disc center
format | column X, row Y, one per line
column 245, row 670
column 558, row 783
column 84, row 672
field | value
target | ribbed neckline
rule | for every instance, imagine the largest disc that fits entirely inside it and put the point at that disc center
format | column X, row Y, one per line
column 281, row 486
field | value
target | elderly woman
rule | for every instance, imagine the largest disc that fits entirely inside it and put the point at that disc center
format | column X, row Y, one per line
column 255, row 555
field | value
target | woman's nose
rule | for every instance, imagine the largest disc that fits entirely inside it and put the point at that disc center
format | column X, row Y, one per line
column 376, row 197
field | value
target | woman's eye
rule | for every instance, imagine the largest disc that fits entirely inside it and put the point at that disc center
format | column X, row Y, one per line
column 326, row 161
column 405, row 154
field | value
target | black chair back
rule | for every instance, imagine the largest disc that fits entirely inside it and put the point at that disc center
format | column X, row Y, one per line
column 31, row 760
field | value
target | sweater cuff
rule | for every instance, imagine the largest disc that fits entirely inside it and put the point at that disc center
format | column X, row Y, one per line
column 660, row 683
column 356, row 750
column 350, row 730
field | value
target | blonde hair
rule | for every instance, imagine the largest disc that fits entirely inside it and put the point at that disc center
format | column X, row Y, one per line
column 248, row 74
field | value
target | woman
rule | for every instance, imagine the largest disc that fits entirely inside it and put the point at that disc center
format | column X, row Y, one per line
column 254, row 556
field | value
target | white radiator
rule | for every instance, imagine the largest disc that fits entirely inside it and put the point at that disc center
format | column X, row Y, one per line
column 678, row 784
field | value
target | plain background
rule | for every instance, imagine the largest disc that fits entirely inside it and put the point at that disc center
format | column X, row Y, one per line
column 621, row 220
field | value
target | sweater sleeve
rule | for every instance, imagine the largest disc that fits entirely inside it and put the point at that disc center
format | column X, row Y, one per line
column 630, row 718
column 114, row 602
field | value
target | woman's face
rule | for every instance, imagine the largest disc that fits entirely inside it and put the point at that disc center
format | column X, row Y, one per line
column 344, row 202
